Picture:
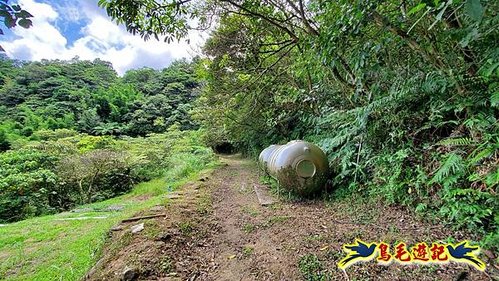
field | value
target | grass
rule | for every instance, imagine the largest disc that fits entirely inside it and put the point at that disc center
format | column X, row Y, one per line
column 186, row 227
column 250, row 211
column 52, row 248
column 275, row 220
column 312, row 268
column 204, row 205
column 247, row 251
column 166, row 264
column 281, row 193
column 315, row 237
column 248, row 227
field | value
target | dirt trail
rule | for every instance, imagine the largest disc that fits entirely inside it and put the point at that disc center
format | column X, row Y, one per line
column 217, row 230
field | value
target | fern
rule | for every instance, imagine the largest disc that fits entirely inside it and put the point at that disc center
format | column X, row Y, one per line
column 479, row 155
column 492, row 179
column 453, row 165
column 494, row 99
column 468, row 207
column 456, row 141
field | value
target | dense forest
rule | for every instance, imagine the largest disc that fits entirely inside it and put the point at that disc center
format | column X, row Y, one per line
column 403, row 96
column 89, row 97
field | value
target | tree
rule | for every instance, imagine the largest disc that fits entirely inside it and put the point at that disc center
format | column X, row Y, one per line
column 4, row 142
column 90, row 173
column 138, row 16
column 90, row 97
column 13, row 15
column 145, row 80
column 88, row 120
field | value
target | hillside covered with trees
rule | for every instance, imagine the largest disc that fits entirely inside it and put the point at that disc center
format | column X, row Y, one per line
column 72, row 131
column 89, row 97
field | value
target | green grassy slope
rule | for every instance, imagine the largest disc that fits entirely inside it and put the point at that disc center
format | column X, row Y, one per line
column 51, row 248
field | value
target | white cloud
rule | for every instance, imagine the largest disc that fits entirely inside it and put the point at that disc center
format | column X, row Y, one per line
column 70, row 11
column 104, row 30
column 101, row 38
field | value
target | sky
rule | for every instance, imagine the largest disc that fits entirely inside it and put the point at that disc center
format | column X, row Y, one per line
column 64, row 29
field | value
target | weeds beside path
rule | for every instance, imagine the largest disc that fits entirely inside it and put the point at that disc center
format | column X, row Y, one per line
column 216, row 230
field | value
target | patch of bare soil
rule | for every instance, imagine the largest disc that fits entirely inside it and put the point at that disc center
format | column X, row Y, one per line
column 217, row 230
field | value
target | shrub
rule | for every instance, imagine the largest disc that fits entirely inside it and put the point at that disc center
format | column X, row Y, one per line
column 4, row 142
column 64, row 170
column 50, row 135
column 95, row 175
column 87, row 143
column 26, row 184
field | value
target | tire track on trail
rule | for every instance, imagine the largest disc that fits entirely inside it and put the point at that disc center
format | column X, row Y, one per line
column 217, row 230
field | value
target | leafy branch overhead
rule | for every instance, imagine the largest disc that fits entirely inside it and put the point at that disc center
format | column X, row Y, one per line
column 150, row 18
column 13, row 15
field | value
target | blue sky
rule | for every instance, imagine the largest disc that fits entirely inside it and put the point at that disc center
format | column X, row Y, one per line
column 64, row 29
